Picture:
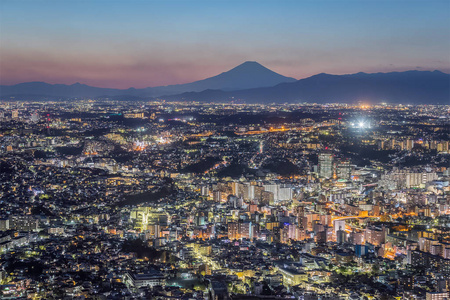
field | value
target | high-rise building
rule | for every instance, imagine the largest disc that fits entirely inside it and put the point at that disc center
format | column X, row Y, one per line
column 245, row 230
column 375, row 236
column 233, row 231
column 360, row 250
column 326, row 165
column 338, row 225
column 437, row 295
column 217, row 196
column 343, row 169
column 408, row 145
column 4, row 224
column 341, row 236
column 284, row 193
column 142, row 217
column 24, row 223
column 240, row 230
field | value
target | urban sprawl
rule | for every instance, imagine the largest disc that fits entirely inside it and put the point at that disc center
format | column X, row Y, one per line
column 142, row 200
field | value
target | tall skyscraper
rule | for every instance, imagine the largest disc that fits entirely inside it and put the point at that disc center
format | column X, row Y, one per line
column 326, row 164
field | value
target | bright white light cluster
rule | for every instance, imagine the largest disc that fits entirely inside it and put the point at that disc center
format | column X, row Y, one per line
column 361, row 124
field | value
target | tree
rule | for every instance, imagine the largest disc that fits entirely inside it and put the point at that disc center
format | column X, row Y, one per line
column 375, row 269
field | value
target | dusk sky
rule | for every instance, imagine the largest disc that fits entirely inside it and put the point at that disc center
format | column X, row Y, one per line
column 123, row 44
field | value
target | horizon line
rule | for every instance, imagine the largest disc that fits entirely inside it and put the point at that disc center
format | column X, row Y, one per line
column 248, row 61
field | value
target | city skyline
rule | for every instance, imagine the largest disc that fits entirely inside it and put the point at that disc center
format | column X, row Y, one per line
column 225, row 150
column 105, row 199
column 147, row 44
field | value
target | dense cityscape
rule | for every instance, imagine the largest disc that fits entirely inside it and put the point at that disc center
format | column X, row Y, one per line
column 225, row 150
column 105, row 199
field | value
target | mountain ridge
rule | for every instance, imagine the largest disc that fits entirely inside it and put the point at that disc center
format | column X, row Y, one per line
column 409, row 87
column 244, row 76
column 253, row 82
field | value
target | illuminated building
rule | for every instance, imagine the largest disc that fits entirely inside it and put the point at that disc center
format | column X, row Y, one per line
column 133, row 115
column 326, row 165
column 139, row 280
column 144, row 216
column 437, row 295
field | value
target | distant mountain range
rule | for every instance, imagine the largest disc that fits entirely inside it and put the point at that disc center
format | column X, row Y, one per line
column 410, row 87
column 253, row 83
column 245, row 76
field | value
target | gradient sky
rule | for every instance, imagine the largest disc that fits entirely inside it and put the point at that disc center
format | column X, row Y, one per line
column 138, row 44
